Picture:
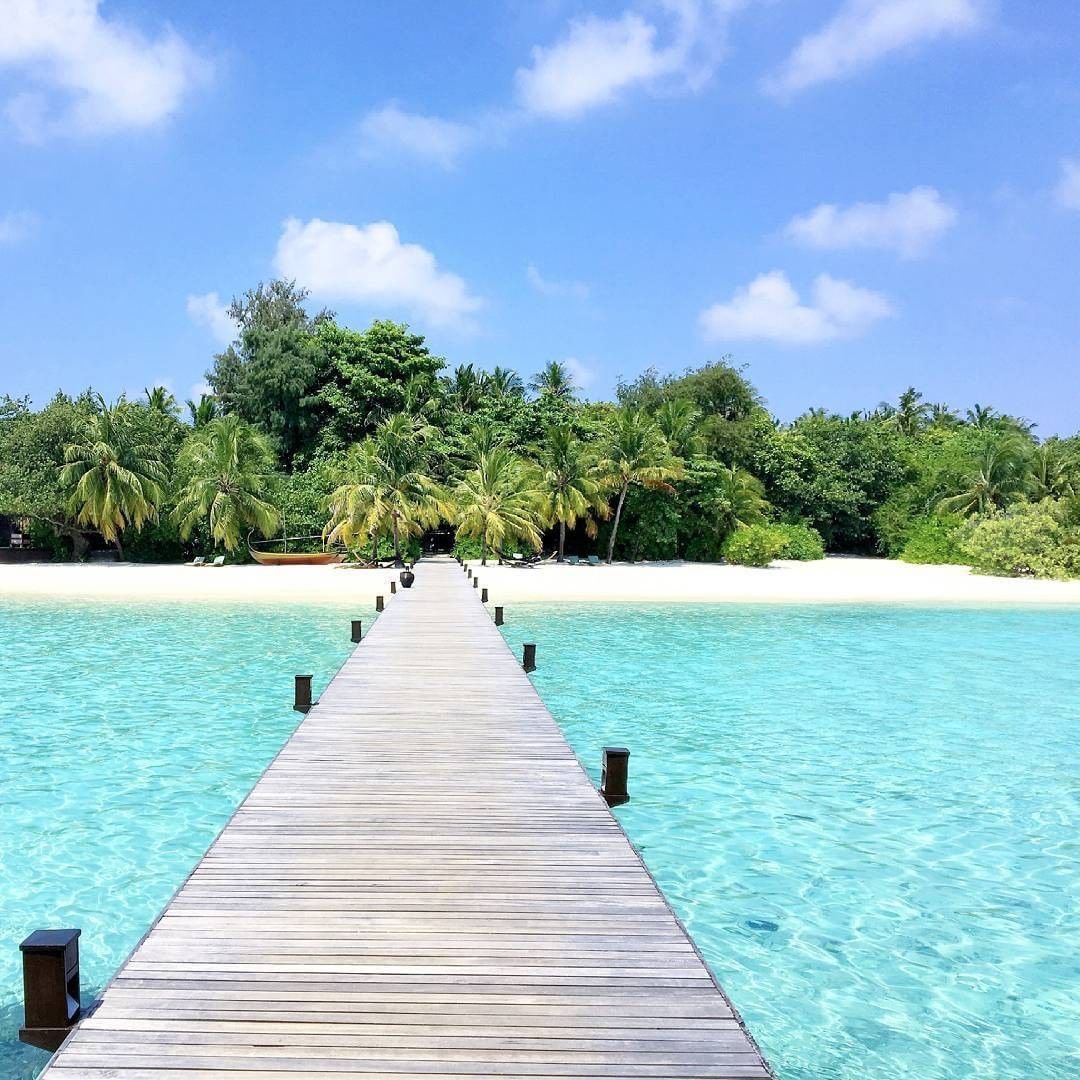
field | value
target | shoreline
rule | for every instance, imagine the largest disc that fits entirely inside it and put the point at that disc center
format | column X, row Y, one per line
column 835, row 580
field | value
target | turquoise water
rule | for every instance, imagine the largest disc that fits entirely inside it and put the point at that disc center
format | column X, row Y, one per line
column 128, row 734
column 867, row 817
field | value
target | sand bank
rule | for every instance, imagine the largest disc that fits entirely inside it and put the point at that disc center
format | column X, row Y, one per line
column 834, row 580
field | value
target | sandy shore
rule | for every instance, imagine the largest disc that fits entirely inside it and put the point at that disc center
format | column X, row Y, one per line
column 834, row 580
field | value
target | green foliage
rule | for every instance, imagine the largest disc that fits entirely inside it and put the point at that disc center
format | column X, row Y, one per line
column 934, row 539
column 568, row 484
column 754, row 545
column 224, row 469
column 498, row 503
column 1028, row 540
column 800, row 542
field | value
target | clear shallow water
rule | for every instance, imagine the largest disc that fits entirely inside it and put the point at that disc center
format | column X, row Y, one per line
column 128, row 734
column 866, row 816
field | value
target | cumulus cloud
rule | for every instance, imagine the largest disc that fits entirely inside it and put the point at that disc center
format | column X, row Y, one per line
column 368, row 264
column 16, row 226
column 392, row 130
column 86, row 74
column 582, row 374
column 770, row 309
column 864, row 31
column 209, row 311
column 907, row 223
column 597, row 59
column 576, row 290
column 1068, row 189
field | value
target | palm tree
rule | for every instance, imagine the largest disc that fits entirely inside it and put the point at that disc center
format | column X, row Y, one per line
column 998, row 475
column 161, row 399
column 981, row 416
column 635, row 452
column 678, row 420
column 498, row 503
column 1055, row 471
column 503, row 382
column 942, row 416
column 465, row 387
column 387, row 490
column 113, row 477
column 742, row 499
column 911, row 412
column 203, row 412
column 568, row 484
column 226, row 466
column 555, row 380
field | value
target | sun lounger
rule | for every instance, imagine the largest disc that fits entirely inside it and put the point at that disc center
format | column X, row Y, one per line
column 199, row 560
column 594, row 560
column 572, row 560
column 219, row 561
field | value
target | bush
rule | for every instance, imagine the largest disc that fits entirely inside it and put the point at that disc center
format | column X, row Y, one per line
column 934, row 540
column 1029, row 540
column 753, row 545
column 800, row 541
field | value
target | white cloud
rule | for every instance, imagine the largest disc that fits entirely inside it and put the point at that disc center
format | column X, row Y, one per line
column 864, row 31
column 200, row 389
column 16, row 226
column 370, row 265
column 769, row 308
column 208, row 310
column 577, row 290
column 907, row 223
column 391, row 130
column 597, row 60
column 1068, row 189
column 582, row 374
column 88, row 74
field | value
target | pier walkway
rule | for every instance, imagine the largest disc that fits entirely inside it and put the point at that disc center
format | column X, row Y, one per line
column 424, row 883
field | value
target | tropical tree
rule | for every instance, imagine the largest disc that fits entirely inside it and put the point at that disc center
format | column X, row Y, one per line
column 997, row 475
column 388, row 490
column 226, row 468
column 498, row 503
column 161, row 399
column 679, row 420
column 635, row 452
column 555, row 380
column 568, row 484
column 911, row 413
column 465, row 388
column 113, row 476
column 202, row 412
column 741, row 499
column 1055, row 470
column 503, row 382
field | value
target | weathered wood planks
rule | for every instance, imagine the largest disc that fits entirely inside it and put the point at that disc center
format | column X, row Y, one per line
column 424, row 883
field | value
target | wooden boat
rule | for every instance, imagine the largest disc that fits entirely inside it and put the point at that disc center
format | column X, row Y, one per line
column 258, row 551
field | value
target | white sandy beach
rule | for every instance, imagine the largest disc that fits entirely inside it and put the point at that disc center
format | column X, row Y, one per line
column 833, row 580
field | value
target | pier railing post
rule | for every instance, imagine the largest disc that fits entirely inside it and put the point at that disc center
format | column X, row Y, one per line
column 498, row 616
column 50, row 987
column 613, row 775
column 379, row 603
column 393, row 588
column 483, row 596
column 468, row 572
column 302, row 693
column 528, row 657
column 357, row 630
column 476, row 583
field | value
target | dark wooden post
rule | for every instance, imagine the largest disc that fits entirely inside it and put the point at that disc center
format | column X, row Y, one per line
column 379, row 603
column 302, row 693
column 613, row 775
column 498, row 616
column 393, row 588
column 528, row 658
column 468, row 573
column 50, row 987
column 476, row 583
column 357, row 630
column 483, row 596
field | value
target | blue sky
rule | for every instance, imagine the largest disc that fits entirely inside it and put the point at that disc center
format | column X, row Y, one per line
column 847, row 196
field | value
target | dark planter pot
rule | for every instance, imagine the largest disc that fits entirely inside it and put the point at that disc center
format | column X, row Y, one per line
column 406, row 577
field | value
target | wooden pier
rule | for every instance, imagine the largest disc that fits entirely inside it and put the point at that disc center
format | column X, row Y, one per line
column 424, row 883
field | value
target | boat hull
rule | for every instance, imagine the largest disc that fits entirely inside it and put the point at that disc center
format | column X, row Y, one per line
column 295, row 558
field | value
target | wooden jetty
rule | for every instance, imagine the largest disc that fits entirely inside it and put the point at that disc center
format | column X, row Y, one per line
column 424, row 883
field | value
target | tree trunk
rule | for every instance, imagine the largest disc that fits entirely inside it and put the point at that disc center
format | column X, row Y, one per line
column 397, row 545
column 483, row 551
column 119, row 547
column 375, row 549
column 562, row 540
column 615, row 524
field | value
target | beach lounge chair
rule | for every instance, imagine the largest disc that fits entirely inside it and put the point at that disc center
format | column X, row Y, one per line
column 219, row 561
column 594, row 560
column 199, row 560
column 572, row 560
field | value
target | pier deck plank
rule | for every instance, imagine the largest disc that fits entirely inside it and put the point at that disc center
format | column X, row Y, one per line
column 424, row 883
